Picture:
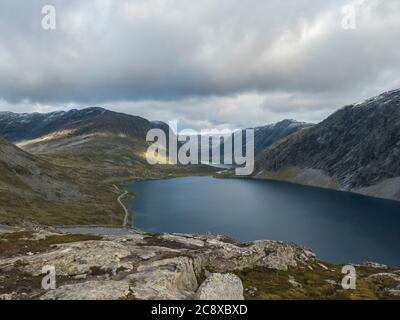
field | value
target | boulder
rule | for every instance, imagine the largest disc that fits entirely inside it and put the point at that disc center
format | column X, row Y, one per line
column 277, row 255
column 294, row 283
column 221, row 287
column 168, row 279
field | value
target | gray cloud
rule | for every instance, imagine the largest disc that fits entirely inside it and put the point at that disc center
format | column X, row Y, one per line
column 204, row 62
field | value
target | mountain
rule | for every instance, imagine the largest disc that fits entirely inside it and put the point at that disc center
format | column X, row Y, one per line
column 17, row 127
column 355, row 149
column 265, row 136
column 32, row 188
column 84, row 138
column 23, row 173
column 65, row 164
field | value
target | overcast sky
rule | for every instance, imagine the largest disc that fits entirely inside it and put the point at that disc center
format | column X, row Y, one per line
column 208, row 63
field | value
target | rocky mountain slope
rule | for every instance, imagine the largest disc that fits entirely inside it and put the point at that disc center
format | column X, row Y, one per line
column 175, row 266
column 268, row 135
column 17, row 127
column 22, row 172
column 355, row 149
column 265, row 136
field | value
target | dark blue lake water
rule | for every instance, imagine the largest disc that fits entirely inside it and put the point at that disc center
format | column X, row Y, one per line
column 340, row 227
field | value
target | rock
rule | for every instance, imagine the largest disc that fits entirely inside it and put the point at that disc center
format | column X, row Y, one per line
column 393, row 292
column 388, row 283
column 147, row 253
column 294, row 283
column 168, row 279
column 7, row 296
column 91, row 290
column 375, row 265
column 42, row 234
column 221, row 287
column 156, row 266
column 380, row 276
column 252, row 291
column 74, row 258
column 323, row 266
column 184, row 239
column 275, row 255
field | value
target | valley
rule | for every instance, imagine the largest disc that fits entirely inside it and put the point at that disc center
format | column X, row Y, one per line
column 86, row 154
column 75, row 157
column 66, row 174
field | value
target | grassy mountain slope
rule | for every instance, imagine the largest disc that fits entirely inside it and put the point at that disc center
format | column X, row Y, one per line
column 92, row 149
column 32, row 189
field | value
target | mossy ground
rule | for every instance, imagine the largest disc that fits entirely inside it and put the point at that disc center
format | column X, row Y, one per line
column 129, row 297
column 274, row 285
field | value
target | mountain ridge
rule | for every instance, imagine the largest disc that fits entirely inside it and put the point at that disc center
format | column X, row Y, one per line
column 355, row 149
column 17, row 127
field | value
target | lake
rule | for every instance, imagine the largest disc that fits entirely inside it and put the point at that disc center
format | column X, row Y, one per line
column 340, row 227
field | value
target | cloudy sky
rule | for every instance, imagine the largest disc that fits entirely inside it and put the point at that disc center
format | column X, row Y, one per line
column 208, row 63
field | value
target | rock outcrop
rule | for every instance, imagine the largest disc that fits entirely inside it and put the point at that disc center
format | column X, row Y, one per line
column 173, row 267
column 148, row 266
column 91, row 290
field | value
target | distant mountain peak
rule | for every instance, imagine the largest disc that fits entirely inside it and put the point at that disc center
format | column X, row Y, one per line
column 382, row 98
column 17, row 127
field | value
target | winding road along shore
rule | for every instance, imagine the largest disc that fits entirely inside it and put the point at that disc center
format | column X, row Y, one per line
column 122, row 205
column 125, row 209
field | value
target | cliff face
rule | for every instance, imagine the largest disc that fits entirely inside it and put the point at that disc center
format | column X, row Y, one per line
column 355, row 149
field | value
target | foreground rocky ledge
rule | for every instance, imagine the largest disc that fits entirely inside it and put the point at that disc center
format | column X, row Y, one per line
column 174, row 266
